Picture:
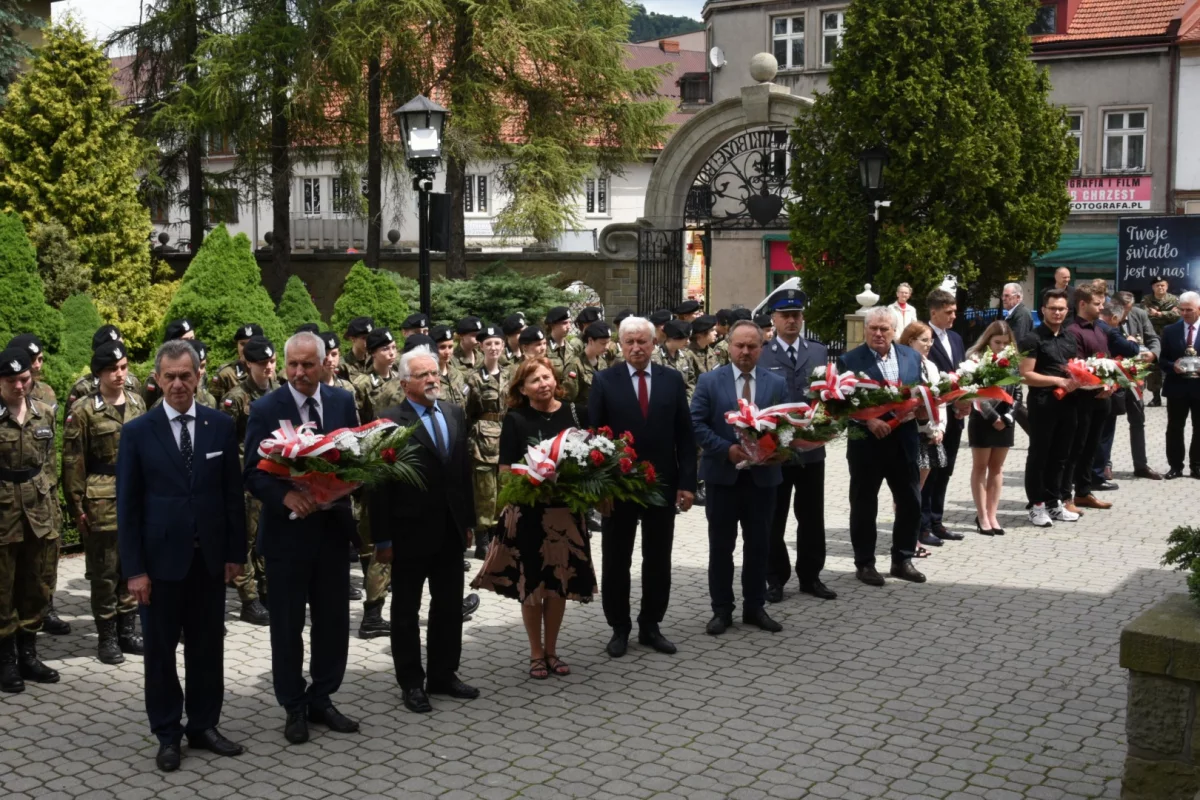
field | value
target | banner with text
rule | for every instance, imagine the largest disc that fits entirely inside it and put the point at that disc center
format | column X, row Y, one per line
column 1151, row 247
column 1112, row 194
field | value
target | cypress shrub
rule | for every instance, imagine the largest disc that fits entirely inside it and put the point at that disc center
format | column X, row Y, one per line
column 367, row 293
column 23, row 307
column 296, row 306
column 82, row 319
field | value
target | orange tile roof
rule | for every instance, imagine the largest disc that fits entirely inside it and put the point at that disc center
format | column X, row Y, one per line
column 1189, row 28
column 1117, row 19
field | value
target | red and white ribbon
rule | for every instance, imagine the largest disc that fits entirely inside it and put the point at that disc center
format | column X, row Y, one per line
column 931, row 403
column 542, row 460
column 291, row 442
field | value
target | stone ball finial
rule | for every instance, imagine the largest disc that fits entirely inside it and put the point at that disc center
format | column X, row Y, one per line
column 763, row 67
column 164, row 237
column 393, row 236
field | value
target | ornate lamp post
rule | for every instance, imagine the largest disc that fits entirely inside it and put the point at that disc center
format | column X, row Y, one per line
column 870, row 175
column 421, row 121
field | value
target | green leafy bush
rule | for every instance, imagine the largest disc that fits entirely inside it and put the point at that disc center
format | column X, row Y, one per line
column 23, row 307
column 367, row 293
column 81, row 321
column 1184, row 555
column 58, row 263
column 296, row 306
column 410, row 289
column 495, row 292
column 222, row 289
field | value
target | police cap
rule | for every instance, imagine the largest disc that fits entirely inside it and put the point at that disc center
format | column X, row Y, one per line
column 787, row 300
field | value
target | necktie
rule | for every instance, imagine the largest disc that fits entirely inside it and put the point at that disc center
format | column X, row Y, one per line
column 792, row 355
column 643, row 393
column 185, row 441
column 438, row 441
column 313, row 414
column 1191, row 339
column 747, row 393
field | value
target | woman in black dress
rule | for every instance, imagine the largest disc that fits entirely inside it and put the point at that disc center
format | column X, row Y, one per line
column 542, row 557
column 990, row 434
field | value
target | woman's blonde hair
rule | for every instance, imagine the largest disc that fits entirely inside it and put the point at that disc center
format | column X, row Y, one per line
column 997, row 328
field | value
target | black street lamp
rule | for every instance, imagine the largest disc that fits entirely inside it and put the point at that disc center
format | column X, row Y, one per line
column 421, row 121
column 870, row 176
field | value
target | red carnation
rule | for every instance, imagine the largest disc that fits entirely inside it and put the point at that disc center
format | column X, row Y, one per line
column 651, row 476
column 388, row 454
column 628, row 437
column 1003, row 362
column 626, row 465
column 605, row 431
column 333, row 455
column 629, row 451
column 597, row 457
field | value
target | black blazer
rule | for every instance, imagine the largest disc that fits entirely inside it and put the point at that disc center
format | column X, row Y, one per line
column 413, row 518
column 1174, row 341
column 948, row 362
column 664, row 438
column 278, row 536
column 162, row 513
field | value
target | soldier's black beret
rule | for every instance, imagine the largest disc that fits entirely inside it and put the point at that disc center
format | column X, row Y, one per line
column 513, row 323
column 415, row 321
column 740, row 313
column 532, row 335
column 490, row 332
column 677, row 329
column 468, row 325
column 105, row 333
column 330, row 339
column 597, row 330
column 29, row 342
column 176, row 328
column 690, row 307
column 441, row 333
column 108, row 355
column 621, row 316
column 724, row 316
column 360, row 326
column 702, row 323
column 660, row 317
column 419, row 340
column 764, row 321
column 588, row 315
column 258, row 349
column 308, row 327
column 558, row 314
column 14, row 361
column 201, row 349
column 379, row 337
column 247, row 331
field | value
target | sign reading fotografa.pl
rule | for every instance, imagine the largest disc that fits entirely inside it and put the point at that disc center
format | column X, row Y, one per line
column 1153, row 247
column 1111, row 194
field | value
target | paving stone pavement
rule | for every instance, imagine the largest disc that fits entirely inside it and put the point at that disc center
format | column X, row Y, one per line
column 997, row 679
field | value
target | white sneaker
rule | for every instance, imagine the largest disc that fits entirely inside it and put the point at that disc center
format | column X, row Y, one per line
column 1060, row 513
column 1040, row 517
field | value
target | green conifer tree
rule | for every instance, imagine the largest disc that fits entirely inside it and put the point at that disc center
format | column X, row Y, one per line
column 367, row 293
column 296, row 306
column 81, row 321
column 23, row 308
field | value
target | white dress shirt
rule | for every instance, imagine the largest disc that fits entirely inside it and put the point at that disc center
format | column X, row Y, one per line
column 788, row 349
column 942, row 337
column 633, row 375
column 172, row 415
column 740, row 377
column 301, row 399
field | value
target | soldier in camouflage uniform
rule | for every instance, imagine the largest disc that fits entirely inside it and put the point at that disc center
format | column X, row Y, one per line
column 674, row 353
column 560, row 348
column 658, row 319
column 533, row 343
column 487, row 400
column 688, row 310
column 454, row 384
column 1163, row 308
column 231, row 373
column 90, row 383
column 466, row 352
column 767, row 324
column 259, row 356
column 91, row 438
column 176, row 329
column 415, row 323
column 512, row 326
column 722, row 345
column 595, row 356
column 333, row 360
column 30, row 520
column 355, row 360
column 705, row 357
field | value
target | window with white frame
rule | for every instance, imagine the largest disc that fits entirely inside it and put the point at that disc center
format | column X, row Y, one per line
column 344, row 201
column 595, row 191
column 833, row 28
column 1075, row 131
column 788, row 35
column 311, row 192
column 475, row 194
column 1125, row 141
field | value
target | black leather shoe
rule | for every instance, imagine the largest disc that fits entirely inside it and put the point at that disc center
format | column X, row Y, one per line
column 1105, row 486
column 950, row 536
column 214, row 742
column 1140, row 472
column 654, row 638
column 939, row 530
column 929, row 539
column 869, row 575
column 373, row 624
column 760, row 619
column 255, row 613
column 453, row 688
column 466, row 565
column 355, row 593
column 333, row 719
column 168, row 757
column 719, row 624
column 818, row 589
column 470, row 605
column 1173, row 474
column 416, row 700
column 774, row 593
column 618, row 644
column 905, row 571
column 295, row 730
column 1156, row 402
column 54, row 626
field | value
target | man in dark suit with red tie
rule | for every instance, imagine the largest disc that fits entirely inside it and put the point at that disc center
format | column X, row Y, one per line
column 1182, row 392
column 650, row 401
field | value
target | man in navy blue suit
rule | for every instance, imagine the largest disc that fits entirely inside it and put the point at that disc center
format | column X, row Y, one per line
column 884, row 454
column 182, row 535
column 745, row 496
column 304, row 547
column 793, row 358
column 649, row 401
column 1182, row 393
column 947, row 353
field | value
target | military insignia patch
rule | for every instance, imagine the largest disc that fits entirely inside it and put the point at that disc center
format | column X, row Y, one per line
column 16, row 365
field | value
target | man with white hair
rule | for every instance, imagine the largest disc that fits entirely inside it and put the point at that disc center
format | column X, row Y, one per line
column 1019, row 320
column 1182, row 391
column 304, row 546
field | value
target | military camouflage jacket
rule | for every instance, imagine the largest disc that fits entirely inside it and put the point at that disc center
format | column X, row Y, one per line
column 560, row 355
column 487, row 400
column 454, row 387
column 351, row 366
column 577, row 380
column 203, row 398
column 28, row 475
column 89, row 384
column 1168, row 308
column 459, row 360
column 236, row 404
column 91, row 436
column 681, row 362
column 704, row 359
column 42, row 392
column 369, row 394
column 722, row 348
column 227, row 376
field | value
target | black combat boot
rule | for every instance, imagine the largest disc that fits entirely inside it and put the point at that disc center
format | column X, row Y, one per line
column 373, row 624
column 128, row 639
column 109, row 650
column 54, row 626
column 482, row 539
column 31, row 667
column 255, row 613
column 10, row 674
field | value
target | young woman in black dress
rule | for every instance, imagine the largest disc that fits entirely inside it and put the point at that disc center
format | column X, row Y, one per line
column 990, row 434
column 542, row 557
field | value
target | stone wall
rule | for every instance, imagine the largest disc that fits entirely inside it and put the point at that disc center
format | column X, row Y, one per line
column 615, row 281
column 1161, row 650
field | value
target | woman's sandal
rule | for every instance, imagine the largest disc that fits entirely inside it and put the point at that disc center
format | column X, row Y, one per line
column 921, row 552
column 558, row 666
column 539, row 670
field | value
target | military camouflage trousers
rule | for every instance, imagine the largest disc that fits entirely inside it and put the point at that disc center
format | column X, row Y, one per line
column 254, row 574
column 376, row 576
column 485, row 478
column 27, row 573
column 110, row 594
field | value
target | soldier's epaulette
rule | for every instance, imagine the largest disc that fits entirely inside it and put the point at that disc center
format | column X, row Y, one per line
column 376, row 381
column 97, row 402
column 130, row 382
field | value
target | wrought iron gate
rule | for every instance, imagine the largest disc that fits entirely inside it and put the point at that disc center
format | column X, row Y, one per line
column 660, row 269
